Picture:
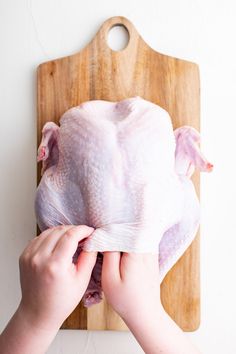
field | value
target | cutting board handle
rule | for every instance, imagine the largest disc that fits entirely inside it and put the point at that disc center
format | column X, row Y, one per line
column 134, row 36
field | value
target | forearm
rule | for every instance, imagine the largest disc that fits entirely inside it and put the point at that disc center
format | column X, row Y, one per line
column 21, row 336
column 157, row 333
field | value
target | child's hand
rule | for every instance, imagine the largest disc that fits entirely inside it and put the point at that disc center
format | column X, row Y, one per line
column 131, row 284
column 52, row 285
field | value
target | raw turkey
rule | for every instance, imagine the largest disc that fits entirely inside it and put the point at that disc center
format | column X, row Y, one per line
column 120, row 168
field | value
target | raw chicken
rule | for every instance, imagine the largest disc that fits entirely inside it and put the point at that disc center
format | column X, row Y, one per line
column 120, row 168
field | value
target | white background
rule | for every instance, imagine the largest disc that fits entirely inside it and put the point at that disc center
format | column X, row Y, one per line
column 32, row 32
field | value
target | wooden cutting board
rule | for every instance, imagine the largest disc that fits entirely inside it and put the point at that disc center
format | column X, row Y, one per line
column 98, row 72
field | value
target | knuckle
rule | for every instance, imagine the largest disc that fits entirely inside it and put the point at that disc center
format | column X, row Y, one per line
column 34, row 262
column 52, row 269
column 61, row 227
column 42, row 233
column 31, row 243
column 22, row 258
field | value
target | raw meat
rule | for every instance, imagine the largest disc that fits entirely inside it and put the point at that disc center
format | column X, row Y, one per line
column 120, row 168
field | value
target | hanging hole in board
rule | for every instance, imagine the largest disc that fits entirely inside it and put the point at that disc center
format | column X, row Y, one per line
column 118, row 37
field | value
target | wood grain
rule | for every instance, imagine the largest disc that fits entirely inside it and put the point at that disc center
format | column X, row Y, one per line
column 98, row 72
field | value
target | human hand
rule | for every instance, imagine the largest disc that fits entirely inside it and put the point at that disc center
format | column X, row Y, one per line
column 51, row 284
column 131, row 284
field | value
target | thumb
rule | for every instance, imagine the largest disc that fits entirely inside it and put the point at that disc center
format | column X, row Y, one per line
column 111, row 265
column 85, row 264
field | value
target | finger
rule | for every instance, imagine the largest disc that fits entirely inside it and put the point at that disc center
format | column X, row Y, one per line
column 111, row 265
column 67, row 245
column 37, row 241
column 130, row 262
column 85, row 264
column 34, row 243
column 45, row 242
column 50, row 239
column 132, row 258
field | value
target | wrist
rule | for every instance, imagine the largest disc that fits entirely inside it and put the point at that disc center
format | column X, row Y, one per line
column 148, row 317
column 35, row 322
column 25, row 335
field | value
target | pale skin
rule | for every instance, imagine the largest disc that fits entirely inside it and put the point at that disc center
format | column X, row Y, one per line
column 52, row 286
